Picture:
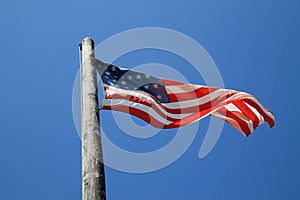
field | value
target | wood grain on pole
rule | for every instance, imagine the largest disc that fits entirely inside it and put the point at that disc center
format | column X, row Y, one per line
column 93, row 177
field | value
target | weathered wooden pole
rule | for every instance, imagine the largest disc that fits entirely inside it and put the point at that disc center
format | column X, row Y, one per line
column 93, row 177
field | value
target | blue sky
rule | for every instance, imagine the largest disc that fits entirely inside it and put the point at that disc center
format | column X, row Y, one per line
column 255, row 45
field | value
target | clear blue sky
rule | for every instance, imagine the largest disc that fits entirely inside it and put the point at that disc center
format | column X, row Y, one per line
column 255, row 45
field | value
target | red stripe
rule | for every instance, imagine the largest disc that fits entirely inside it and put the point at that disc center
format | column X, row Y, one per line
column 152, row 121
column 167, row 82
column 144, row 116
column 200, row 92
column 248, row 112
column 136, row 112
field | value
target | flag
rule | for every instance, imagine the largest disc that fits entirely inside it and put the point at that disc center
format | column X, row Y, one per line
column 168, row 104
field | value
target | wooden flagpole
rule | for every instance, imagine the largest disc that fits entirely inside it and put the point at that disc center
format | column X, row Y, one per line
column 93, row 177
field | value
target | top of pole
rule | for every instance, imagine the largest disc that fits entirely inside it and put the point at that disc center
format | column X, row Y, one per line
column 87, row 42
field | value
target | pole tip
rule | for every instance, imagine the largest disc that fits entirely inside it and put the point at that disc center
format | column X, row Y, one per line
column 87, row 40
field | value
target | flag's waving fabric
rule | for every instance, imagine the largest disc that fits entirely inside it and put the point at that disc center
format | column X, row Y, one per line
column 170, row 104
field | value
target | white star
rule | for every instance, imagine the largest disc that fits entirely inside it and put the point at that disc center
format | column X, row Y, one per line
column 146, row 87
column 114, row 80
column 108, row 73
column 138, row 76
column 159, row 96
column 155, row 86
column 115, row 76
column 147, row 76
column 113, row 68
column 129, row 77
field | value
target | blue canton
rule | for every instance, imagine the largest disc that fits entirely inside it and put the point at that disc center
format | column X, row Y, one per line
column 131, row 80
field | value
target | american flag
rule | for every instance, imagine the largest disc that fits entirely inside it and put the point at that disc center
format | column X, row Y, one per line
column 167, row 104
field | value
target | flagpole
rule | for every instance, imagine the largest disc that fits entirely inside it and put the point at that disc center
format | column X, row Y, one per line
column 93, row 177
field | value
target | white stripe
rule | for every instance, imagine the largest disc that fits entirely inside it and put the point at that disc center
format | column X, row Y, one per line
column 146, row 109
column 195, row 102
column 232, row 107
column 179, row 89
column 140, row 95
column 202, row 100
column 109, row 86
